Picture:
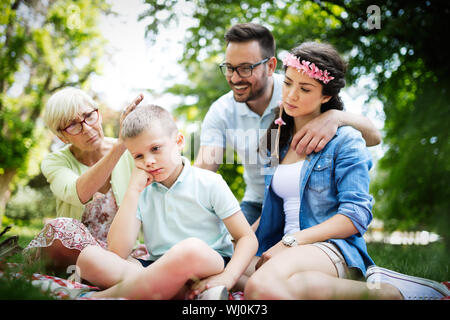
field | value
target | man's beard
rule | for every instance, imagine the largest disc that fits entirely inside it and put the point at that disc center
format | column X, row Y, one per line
column 252, row 95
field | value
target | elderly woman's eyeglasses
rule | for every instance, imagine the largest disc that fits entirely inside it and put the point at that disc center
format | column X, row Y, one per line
column 77, row 127
column 243, row 71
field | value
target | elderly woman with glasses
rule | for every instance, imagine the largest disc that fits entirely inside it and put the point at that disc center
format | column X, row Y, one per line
column 88, row 178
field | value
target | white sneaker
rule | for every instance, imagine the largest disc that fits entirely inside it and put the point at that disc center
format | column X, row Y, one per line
column 412, row 288
column 214, row 293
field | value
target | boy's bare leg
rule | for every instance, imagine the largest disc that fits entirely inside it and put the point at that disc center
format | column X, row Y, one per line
column 163, row 279
column 104, row 268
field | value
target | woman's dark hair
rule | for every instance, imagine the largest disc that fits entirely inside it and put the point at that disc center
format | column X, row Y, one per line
column 244, row 32
column 325, row 57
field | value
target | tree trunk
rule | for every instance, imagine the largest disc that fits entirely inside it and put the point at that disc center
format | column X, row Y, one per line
column 5, row 191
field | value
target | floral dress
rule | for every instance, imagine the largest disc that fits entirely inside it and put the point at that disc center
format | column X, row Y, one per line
column 73, row 234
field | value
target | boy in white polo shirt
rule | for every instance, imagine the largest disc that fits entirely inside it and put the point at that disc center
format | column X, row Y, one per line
column 186, row 214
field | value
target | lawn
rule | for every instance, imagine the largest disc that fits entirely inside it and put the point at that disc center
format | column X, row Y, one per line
column 428, row 261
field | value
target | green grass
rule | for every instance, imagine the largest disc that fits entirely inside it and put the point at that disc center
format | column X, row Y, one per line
column 19, row 288
column 25, row 229
column 427, row 261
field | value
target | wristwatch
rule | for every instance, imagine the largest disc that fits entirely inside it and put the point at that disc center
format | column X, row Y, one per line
column 289, row 240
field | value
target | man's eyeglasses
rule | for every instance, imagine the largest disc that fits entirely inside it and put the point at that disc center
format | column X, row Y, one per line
column 77, row 127
column 244, row 71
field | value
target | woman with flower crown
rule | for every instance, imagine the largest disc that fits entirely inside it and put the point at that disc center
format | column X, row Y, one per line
column 317, row 208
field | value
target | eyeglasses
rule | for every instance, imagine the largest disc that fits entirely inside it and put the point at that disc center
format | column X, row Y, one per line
column 77, row 127
column 243, row 71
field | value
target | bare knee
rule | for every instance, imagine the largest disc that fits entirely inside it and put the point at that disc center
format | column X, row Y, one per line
column 195, row 254
column 190, row 250
column 264, row 285
column 89, row 260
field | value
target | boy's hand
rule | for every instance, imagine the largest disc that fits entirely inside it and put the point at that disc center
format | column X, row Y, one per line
column 221, row 279
column 140, row 179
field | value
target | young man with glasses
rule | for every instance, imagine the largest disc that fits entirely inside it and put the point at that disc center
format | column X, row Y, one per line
column 242, row 116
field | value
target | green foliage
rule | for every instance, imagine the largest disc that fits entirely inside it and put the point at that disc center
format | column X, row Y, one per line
column 18, row 135
column 233, row 175
column 403, row 59
column 28, row 203
column 44, row 46
column 410, row 80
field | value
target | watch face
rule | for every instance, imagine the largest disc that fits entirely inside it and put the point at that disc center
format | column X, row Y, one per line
column 289, row 240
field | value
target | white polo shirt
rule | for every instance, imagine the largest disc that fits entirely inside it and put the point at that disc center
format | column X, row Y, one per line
column 232, row 125
column 194, row 206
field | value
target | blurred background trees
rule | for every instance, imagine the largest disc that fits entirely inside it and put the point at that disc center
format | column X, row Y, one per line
column 44, row 46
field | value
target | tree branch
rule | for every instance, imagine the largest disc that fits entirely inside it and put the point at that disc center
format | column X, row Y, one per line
column 69, row 84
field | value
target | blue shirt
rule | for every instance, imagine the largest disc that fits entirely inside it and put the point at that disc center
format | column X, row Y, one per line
column 232, row 124
column 334, row 180
column 194, row 206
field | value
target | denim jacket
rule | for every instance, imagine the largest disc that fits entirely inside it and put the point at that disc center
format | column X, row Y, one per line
column 334, row 180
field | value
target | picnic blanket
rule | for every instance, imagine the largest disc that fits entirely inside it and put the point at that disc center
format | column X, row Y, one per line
column 65, row 289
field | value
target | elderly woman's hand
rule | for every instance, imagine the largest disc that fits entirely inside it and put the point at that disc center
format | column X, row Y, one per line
column 127, row 110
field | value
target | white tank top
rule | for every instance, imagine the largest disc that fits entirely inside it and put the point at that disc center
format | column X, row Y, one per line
column 286, row 185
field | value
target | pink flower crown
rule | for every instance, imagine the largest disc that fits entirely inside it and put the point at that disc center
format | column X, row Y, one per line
column 307, row 67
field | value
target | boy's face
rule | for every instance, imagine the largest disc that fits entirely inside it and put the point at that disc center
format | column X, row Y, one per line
column 158, row 153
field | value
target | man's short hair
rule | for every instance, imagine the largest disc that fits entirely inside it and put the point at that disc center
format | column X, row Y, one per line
column 244, row 32
column 143, row 117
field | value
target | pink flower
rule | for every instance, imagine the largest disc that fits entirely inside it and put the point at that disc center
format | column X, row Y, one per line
column 307, row 67
column 279, row 121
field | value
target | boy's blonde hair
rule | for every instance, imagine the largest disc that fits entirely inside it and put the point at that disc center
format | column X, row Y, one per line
column 143, row 117
column 63, row 106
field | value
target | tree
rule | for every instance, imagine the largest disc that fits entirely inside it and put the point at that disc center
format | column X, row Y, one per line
column 44, row 46
column 396, row 44
column 411, row 81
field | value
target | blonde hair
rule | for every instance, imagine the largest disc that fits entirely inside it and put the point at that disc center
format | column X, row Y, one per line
column 144, row 117
column 63, row 106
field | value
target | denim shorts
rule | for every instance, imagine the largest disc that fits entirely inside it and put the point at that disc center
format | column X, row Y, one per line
column 146, row 263
column 251, row 210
